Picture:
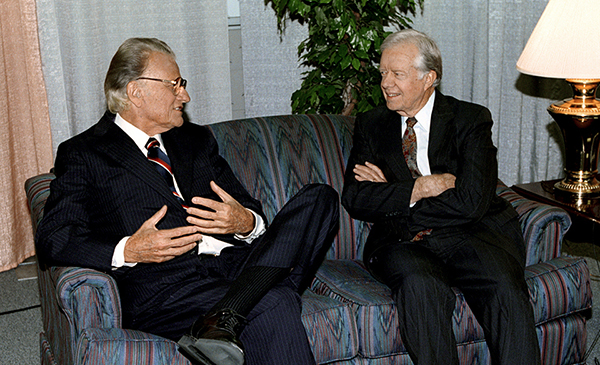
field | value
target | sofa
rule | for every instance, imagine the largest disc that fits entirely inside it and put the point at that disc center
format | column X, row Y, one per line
column 349, row 317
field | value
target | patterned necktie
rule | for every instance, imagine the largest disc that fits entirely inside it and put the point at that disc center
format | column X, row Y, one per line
column 163, row 166
column 409, row 147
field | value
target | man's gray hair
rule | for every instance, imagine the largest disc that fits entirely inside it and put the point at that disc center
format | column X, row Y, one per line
column 127, row 65
column 430, row 57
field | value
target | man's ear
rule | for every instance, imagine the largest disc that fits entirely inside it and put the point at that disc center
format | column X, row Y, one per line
column 135, row 93
column 430, row 78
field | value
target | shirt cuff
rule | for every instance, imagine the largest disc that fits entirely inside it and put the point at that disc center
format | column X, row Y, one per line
column 259, row 229
column 118, row 259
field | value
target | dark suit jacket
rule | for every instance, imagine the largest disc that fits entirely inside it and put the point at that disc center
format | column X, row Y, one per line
column 105, row 189
column 460, row 143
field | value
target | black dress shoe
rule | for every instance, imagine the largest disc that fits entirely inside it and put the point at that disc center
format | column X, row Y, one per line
column 213, row 339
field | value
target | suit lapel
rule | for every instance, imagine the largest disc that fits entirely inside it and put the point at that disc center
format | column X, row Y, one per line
column 391, row 135
column 117, row 145
column 440, row 134
column 179, row 150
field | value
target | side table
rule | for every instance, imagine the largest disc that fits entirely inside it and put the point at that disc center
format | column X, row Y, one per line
column 585, row 213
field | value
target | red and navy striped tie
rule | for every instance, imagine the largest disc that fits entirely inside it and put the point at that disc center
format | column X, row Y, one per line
column 163, row 165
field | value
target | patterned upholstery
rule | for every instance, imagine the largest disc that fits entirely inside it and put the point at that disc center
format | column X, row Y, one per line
column 543, row 226
column 349, row 316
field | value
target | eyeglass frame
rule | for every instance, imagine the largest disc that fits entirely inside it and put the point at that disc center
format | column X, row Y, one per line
column 172, row 83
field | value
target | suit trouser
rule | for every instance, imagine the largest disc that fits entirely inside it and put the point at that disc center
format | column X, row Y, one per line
column 493, row 285
column 298, row 239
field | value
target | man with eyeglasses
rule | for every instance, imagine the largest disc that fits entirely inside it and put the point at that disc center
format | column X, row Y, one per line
column 145, row 196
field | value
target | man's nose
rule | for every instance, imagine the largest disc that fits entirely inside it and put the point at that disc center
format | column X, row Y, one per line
column 184, row 96
column 385, row 80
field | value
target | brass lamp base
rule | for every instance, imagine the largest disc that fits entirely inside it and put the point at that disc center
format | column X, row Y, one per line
column 579, row 121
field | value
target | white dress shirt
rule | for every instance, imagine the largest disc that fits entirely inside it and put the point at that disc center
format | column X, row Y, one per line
column 422, row 128
column 207, row 245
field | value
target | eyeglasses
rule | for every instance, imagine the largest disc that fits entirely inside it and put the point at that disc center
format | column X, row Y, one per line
column 176, row 84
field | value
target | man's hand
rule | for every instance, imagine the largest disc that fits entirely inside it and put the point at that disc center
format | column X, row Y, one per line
column 431, row 185
column 225, row 217
column 150, row 244
column 368, row 172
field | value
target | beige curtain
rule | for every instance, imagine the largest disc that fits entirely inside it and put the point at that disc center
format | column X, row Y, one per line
column 26, row 148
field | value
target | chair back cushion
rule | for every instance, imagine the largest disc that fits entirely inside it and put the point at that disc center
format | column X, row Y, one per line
column 275, row 156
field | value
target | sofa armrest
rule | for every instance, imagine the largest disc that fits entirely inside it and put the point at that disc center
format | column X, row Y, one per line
column 37, row 189
column 89, row 297
column 544, row 226
column 119, row 346
column 74, row 299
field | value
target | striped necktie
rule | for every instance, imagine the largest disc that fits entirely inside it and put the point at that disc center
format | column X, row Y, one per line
column 163, row 166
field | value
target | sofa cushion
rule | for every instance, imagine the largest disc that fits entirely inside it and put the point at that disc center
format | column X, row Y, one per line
column 558, row 288
column 330, row 326
column 119, row 346
column 376, row 315
column 273, row 157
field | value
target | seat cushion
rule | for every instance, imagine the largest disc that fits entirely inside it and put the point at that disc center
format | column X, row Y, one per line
column 376, row 316
column 119, row 346
column 558, row 288
column 330, row 326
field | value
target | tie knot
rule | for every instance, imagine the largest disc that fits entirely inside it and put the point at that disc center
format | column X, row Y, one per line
column 410, row 122
column 152, row 142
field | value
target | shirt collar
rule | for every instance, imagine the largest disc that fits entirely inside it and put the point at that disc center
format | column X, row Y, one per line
column 139, row 137
column 424, row 115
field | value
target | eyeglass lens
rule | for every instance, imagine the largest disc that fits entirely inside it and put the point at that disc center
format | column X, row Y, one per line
column 180, row 82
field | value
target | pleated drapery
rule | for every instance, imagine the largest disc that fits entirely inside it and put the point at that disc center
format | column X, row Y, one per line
column 26, row 147
column 79, row 38
column 481, row 41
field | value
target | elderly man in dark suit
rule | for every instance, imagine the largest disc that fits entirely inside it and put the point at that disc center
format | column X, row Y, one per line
column 144, row 196
column 423, row 169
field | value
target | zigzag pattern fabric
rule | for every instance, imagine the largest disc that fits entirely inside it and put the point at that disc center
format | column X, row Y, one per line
column 163, row 166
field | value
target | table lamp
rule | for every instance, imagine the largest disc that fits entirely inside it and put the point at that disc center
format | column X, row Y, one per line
column 565, row 44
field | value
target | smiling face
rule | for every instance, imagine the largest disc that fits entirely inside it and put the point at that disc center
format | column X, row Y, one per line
column 406, row 90
column 157, row 108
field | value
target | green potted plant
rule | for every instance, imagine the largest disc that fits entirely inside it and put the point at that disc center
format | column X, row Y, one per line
column 342, row 50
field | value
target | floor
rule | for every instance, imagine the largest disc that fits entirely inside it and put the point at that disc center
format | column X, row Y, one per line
column 20, row 319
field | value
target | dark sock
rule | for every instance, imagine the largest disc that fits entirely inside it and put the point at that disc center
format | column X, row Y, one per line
column 249, row 288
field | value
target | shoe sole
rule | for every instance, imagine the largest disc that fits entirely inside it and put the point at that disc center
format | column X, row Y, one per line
column 210, row 352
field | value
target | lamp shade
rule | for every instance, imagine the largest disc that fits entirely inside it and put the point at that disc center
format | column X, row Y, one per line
column 565, row 43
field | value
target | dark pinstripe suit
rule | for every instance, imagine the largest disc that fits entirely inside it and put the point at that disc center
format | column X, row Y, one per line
column 105, row 189
column 476, row 243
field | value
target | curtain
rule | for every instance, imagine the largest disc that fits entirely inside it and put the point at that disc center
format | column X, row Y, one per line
column 24, row 125
column 79, row 38
column 272, row 71
column 480, row 41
